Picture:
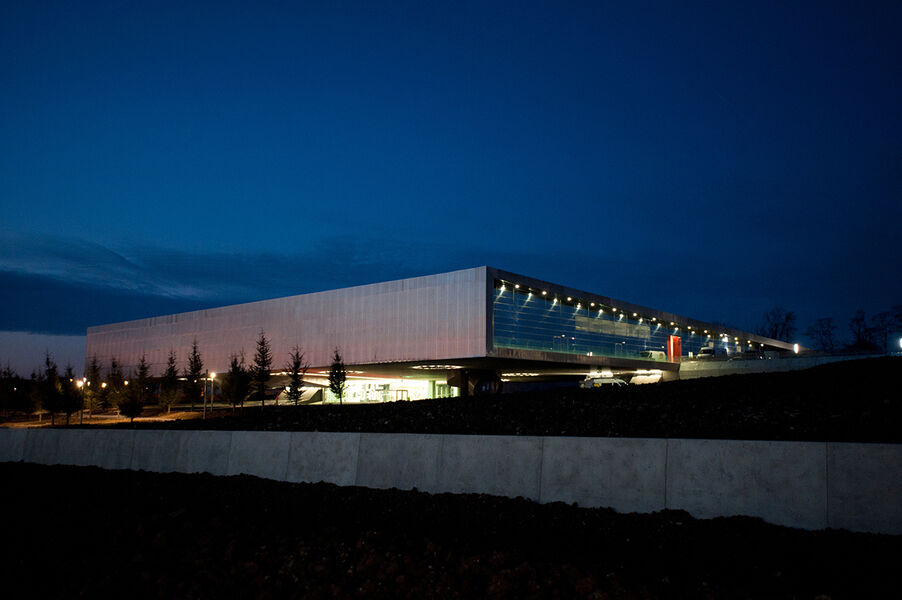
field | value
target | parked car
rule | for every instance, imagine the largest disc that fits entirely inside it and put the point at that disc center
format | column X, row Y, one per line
column 595, row 382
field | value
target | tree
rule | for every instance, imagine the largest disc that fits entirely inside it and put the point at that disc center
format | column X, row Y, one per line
column 131, row 403
column 823, row 333
column 51, row 389
column 262, row 365
column 8, row 389
column 32, row 401
column 142, row 381
column 236, row 383
column 169, row 384
column 881, row 323
column 297, row 369
column 93, row 390
column 778, row 324
column 861, row 335
column 71, row 400
column 194, row 385
column 115, row 385
column 337, row 376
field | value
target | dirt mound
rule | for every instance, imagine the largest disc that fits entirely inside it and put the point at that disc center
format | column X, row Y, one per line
column 74, row 531
column 853, row 401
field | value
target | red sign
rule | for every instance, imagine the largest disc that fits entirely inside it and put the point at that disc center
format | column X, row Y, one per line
column 674, row 348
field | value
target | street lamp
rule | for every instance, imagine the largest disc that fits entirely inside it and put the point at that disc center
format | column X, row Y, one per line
column 210, row 379
column 212, row 393
column 81, row 413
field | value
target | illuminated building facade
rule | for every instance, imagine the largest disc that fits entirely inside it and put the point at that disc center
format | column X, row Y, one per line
column 459, row 332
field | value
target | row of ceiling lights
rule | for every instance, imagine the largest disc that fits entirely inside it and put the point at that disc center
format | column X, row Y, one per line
column 725, row 337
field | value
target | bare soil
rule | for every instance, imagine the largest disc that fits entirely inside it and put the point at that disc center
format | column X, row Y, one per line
column 84, row 532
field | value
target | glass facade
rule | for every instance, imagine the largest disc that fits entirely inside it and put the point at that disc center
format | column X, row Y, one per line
column 527, row 320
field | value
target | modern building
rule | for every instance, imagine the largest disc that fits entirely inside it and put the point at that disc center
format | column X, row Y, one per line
column 438, row 335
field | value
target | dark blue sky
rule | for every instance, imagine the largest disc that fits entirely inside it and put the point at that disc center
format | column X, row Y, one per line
column 713, row 159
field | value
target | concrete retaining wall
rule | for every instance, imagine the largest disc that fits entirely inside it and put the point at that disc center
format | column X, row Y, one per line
column 812, row 485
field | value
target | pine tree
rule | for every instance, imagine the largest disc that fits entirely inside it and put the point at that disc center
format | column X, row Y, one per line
column 93, row 390
column 194, row 385
column 51, row 389
column 297, row 369
column 115, row 385
column 236, row 383
column 262, row 365
column 338, row 376
column 169, row 385
column 71, row 395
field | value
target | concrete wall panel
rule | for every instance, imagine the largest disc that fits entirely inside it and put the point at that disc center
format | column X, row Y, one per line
column 12, row 444
column 76, row 447
column 864, row 491
column 260, row 453
column 800, row 484
column 491, row 464
column 323, row 456
column 781, row 482
column 42, row 446
column 626, row 474
column 402, row 461
column 203, row 452
column 156, row 451
column 112, row 449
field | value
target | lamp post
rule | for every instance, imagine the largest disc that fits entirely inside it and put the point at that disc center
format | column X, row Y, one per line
column 211, row 378
column 212, row 392
column 81, row 390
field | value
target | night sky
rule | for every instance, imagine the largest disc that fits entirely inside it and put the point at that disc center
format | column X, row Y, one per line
column 710, row 159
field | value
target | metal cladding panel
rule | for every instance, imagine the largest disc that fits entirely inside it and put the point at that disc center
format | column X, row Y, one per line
column 423, row 318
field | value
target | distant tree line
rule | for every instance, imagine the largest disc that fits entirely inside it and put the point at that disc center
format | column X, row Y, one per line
column 865, row 335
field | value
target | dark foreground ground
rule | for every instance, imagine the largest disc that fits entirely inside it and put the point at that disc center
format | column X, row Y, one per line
column 84, row 532
column 852, row 401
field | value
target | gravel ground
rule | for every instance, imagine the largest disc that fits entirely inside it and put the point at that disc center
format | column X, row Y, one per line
column 84, row 532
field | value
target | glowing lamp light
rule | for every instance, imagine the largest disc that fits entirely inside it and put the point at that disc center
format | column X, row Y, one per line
column 126, row 382
column 544, row 293
column 103, row 385
column 517, row 286
column 795, row 348
column 569, row 298
column 212, row 375
column 79, row 383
